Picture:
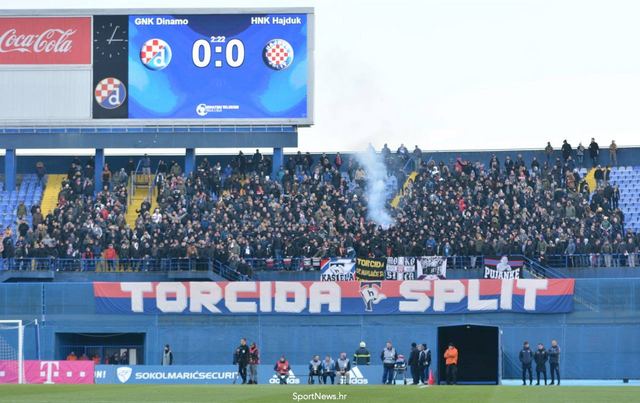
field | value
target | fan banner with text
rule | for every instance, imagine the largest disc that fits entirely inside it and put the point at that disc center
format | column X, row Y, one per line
column 368, row 297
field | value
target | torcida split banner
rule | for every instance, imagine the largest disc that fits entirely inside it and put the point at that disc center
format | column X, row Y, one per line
column 335, row 298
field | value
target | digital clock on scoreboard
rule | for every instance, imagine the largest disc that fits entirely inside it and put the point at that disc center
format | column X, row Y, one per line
column 205, row 66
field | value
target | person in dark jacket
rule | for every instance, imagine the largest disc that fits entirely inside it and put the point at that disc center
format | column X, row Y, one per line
column 241, row 357
column 414, row 364
column 554, row 361
column 594, row 151
column 424, row 360
column 254, row 361
column 526, row 358
column 566, row 150
column 540, row 357
column 362, row 355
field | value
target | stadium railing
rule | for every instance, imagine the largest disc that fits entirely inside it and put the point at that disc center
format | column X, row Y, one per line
column 232, row 271
column 123, row 265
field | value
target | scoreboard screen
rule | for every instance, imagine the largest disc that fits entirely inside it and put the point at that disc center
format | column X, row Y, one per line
column 148, row 67
column 202, row 67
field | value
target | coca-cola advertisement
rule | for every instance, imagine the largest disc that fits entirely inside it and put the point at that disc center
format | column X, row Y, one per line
column 45, row 40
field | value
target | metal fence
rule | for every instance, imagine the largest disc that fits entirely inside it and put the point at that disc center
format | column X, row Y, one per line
column 122, row 265
column 230, row 271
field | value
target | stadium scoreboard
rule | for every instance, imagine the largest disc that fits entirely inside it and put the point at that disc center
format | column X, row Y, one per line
column 160, row 68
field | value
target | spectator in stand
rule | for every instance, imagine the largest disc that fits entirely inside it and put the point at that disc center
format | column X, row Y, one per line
column 594, row 152
column 110, row 255
column 145, row 165
column 580, row 154
column 41, row 171
column 106, row 177
column 613, row 153
column 566, row 150
column 338, row 161
column 72, row 356
column 21, row 211
column 96, row 359
column 548, row 151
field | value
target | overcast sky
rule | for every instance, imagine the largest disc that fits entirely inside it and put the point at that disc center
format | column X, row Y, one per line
column 455, row 74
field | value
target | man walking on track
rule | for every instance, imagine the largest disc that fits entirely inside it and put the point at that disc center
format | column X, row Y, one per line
column 451, row 361
column 241, row 357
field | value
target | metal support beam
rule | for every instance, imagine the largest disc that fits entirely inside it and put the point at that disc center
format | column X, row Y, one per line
column 98, row 166
column 189, row 161
column 278, row 160
column 10, row 170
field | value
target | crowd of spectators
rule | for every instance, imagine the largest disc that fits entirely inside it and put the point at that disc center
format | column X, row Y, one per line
column 317, row 207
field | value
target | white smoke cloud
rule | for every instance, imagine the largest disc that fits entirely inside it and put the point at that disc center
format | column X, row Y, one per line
column 376, row 195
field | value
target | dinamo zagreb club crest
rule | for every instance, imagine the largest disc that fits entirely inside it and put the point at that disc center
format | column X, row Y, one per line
column 155, row 54
column 110, row 93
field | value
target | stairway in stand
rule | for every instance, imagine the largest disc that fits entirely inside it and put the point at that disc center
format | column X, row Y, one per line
column 141, row 186
column 50, row 195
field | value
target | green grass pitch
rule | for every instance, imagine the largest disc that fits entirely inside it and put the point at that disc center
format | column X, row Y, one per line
column 290, row 393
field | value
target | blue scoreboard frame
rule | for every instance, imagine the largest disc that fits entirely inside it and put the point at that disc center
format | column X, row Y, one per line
column 204, row 68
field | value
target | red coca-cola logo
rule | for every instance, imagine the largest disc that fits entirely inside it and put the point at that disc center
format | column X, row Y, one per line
column 45, row 40
column 51, row 40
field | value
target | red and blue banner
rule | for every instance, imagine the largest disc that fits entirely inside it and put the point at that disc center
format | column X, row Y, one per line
column 335, row 298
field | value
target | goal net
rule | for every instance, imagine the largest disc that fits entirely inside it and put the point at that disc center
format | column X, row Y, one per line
column 11, row 351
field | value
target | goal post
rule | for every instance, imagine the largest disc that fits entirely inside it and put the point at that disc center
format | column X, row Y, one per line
column 11, row 351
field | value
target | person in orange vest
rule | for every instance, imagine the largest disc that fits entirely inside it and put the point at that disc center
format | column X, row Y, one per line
column 282, row 370
column 451, row 361
column 72, row 356
column 96, row 359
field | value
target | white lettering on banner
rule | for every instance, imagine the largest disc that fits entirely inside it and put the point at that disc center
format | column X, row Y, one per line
column 325, row 293
column 530, row 288
column 164, row 291
column 265, row 296
column 294, row 297
column 49, row 41
column 447, row 291
column 204, row 294
column 50, row 367
column 506, row 294
column 474, row 301
column 137, row 291
column 283, row 290
column 231, row 297
column 415, row 292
